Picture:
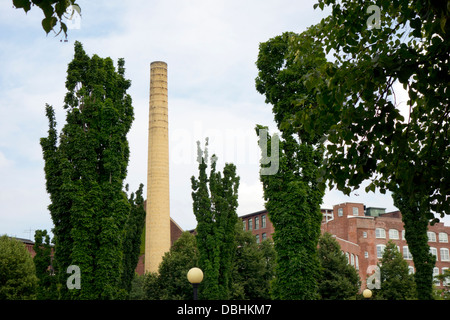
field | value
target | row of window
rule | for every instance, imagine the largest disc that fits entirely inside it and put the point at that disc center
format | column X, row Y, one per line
column 355, row 211
column 444, row 253
column 354, row 261
column 380, row 233
column 248, row 224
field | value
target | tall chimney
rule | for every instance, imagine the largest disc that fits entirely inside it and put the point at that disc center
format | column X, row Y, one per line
column 157, row 222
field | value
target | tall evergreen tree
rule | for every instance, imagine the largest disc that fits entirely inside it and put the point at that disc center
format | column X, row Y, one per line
column 215, row 200
column 338, row 280
column 85, row 173
column 396, row 281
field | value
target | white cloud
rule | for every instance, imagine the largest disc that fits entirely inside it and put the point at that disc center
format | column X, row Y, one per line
column 210, row 47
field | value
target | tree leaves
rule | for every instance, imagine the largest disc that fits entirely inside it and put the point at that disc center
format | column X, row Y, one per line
column 53, row 10
column 85, row 173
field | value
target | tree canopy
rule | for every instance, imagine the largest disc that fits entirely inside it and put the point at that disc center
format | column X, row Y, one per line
column 84, row 174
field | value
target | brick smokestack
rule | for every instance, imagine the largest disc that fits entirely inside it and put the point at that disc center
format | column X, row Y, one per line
column 157, row 222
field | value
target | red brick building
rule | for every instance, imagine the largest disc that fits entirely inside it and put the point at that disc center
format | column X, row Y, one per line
column 363, row 233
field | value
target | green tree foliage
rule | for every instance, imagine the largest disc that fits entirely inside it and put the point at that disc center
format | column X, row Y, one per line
column 85, row 173
column 293, row 195
column 253, row 267
column 215, row 200
column 171, row 283
column 357, row 111
column 54, row 11
column 132, row 237
column 396, row 282
column 293, row 199
column 47, row 289
column 445, row 292
column 18, row 279
column 338, row 280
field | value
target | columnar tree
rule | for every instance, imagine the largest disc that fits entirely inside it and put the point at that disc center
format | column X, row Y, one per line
column 85, row 171
column 293, row 194
column 215, row 200
column 293, row 200
column 47, row 289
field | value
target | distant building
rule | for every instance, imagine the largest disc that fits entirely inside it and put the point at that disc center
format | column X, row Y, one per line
column 363, row 233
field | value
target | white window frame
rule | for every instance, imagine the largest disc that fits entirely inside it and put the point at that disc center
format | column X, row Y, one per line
column 443, row 237
column 380, row 233
column 445, row 255
column 446, row 281
column 380, row 250
column 355, row 211
column 436, row 273
column 433, row 251
column 393, row 234
column 406, row 253
column 340, row 212
column 431, row 236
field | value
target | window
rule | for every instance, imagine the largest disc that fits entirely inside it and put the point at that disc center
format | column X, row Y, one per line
column 446, row 281
column 264, row 236
column 340, row 212
column 411, row 269
column 403, row 235
column 444, row 254
column 433, row 251
column 257, row 238
column 443, row 237
column 406, row 254
column 250, row 224
column 263, row 221
column 393, row 234
column 366, row 254
column 431, row 236
column 243, row 224
column 256, row 223
column 352, row 259
column 380, row 233
column 364, row 234
column 435, row 274
column 355, row 211
column 380, row 250
column 356, row 262
column 348, row 257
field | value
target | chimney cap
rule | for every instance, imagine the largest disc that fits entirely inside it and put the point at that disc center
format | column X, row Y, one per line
column 158, row 62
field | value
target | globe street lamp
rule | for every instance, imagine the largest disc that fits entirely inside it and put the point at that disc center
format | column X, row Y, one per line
column 195, row 276
column 367, row 293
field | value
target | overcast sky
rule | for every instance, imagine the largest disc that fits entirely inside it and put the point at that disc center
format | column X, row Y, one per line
column 210, row 48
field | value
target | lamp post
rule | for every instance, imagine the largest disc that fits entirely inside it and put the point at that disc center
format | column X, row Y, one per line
column 195, row 276
column 367, row 293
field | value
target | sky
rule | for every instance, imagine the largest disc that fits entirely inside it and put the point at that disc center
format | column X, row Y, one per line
column 210, row 47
